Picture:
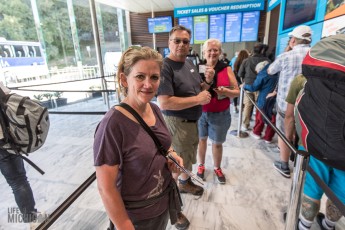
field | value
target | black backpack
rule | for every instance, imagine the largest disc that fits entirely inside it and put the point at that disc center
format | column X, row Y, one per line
column 321, row 106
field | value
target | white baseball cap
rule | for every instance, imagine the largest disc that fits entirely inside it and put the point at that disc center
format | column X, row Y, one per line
column 302, row 32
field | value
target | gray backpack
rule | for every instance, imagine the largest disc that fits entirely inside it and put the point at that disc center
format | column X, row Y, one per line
column 24, row 124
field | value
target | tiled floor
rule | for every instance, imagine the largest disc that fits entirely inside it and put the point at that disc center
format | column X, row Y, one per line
column 254, row 197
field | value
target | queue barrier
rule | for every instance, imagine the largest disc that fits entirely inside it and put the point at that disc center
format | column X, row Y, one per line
column 300, row 165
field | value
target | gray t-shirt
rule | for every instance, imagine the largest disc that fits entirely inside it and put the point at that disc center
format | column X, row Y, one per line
column 181, row 79
column 143, row 172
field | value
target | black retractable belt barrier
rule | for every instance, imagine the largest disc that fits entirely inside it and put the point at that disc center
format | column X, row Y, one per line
column 62, row 208
column 55, row 83
column 292, row 215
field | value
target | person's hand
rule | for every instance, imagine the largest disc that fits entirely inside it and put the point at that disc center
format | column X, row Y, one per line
column 209, row 74
column 271, row 94
column 220, row 91
column 171, row 165
column 204, row 97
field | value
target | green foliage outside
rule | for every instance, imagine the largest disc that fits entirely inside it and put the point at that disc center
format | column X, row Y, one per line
column 17, row 23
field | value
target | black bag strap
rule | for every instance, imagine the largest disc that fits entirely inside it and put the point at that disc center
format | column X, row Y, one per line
column 146, row 127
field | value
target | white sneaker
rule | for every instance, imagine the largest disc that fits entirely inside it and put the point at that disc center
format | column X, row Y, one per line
column 244, row 128
column 257, row 137
column 268, row 142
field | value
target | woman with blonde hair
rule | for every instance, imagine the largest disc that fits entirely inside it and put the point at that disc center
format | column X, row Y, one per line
column 134, row 178
column 215, row 119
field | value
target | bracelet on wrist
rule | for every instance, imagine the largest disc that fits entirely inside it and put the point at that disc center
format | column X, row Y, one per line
column 209, row 83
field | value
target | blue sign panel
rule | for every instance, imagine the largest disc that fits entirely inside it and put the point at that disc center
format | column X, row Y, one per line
column 233, row 27
column 188, row 23
column 217, row 24
column 250, row 26
column 160, row 24
column 220, row 8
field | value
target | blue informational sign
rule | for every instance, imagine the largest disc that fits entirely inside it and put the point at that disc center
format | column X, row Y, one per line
column 250, row 26
column 233, row 27
column 217, row 26
column 160, row 24
column 200, row 29
column 188, row 23
column 231, row 7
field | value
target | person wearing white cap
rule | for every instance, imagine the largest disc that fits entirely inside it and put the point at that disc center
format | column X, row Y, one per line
column 288, row 65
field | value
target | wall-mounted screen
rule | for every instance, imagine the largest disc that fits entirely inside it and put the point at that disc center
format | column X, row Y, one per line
column 200, row 29
column 160, row 24
column 188, row 23
column 233, row 27
column 250, row 26
column 217, row 26
column 298, row 12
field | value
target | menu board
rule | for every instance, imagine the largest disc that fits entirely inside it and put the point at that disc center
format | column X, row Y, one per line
column 233, row 27
column 250, row 26
column 217, row 24
column 200, row 29
column 160, row 24
column 188, row 23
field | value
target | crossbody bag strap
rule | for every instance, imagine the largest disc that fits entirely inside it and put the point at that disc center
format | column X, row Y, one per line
column 146, row 127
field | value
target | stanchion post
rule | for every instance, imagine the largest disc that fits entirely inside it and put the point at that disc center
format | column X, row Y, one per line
column 298, row 179
column 239, row 133
column 301, row 161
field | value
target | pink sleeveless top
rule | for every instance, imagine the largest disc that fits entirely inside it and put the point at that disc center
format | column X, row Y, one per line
column 216, row 105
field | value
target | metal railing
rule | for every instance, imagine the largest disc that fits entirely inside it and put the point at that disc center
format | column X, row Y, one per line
column 300, row 166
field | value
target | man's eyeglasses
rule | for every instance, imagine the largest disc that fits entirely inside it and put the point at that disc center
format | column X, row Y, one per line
column 178, row 41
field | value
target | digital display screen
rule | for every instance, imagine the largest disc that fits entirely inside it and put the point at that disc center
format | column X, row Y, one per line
column 250, row 26
column 298, row 12
column 188, row 23
column 217, row 26
column 233, row 27
column 200, row 29
column 160, row 24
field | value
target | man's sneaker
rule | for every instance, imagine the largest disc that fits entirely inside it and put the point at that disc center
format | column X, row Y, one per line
column 319, row 218
column 278, row 166
column 268, row 142
column 220, row 176
column 190, row 187
column 182, row 221
column 257, row 137
column 201, row 171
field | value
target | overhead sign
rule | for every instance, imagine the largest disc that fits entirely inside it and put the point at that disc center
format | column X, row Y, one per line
column 250, row 25
column 233, row 27
column 217, row 26
column 200, row 29
column 220, row 8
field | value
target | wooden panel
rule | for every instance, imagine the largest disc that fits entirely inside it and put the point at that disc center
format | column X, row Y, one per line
column 140, row 31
